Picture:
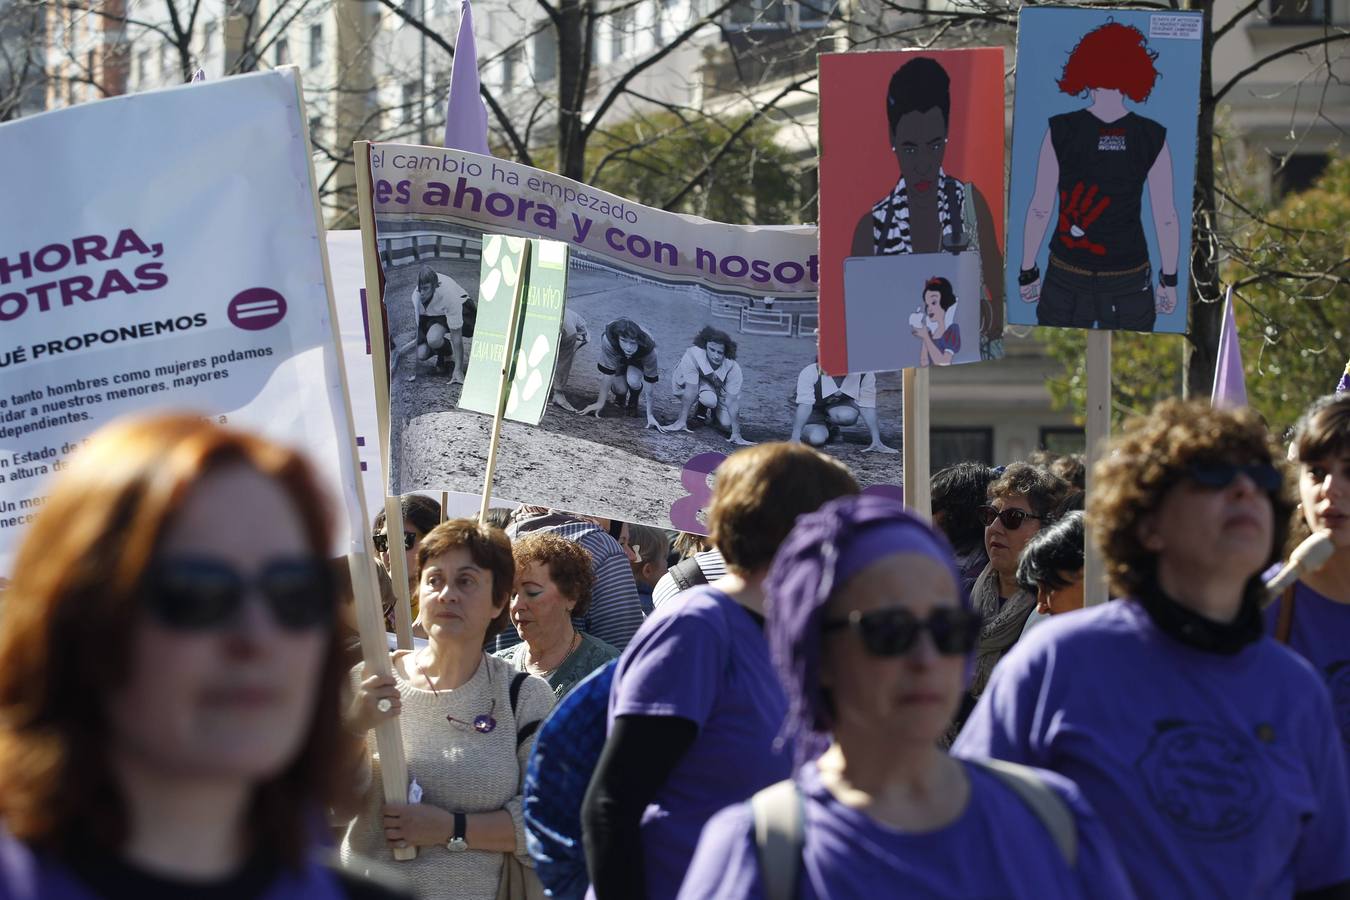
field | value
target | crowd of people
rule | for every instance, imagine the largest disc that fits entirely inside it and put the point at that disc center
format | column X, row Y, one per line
column 829, row 696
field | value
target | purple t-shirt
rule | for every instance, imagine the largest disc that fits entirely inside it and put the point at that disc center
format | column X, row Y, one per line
column 703, row 659
column 1320, row 632
column 997, row 847
column 1217, row 776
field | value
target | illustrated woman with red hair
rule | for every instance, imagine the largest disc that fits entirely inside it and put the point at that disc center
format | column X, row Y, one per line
column 1095, row 162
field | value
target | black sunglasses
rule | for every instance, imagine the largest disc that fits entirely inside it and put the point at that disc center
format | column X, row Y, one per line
column 381, row 541
column 892, row 632
column 198, row 594
column 1216, row 476
column 1012, row 519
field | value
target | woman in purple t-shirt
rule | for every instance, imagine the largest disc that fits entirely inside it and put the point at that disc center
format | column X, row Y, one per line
column 1314, row 616
column 873, row 642
column 1208, row 749
column 695, row 707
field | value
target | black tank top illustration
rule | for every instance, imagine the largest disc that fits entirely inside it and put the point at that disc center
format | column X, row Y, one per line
column 1103, row 167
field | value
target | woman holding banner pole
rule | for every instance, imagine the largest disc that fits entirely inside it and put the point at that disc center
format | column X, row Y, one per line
column 170, row 682
column 468, row 721
column 1209, row 751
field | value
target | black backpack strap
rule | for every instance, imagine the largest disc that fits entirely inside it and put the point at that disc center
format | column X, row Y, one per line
column 780, row 832
column 686, row 573
column 523, row 732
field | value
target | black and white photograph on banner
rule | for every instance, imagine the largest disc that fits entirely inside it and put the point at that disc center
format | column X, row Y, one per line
column 651, row 374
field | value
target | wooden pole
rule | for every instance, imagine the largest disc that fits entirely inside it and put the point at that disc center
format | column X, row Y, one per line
column 504, row 383
column 1098, row 417
column 914, row 427
column 369, row 612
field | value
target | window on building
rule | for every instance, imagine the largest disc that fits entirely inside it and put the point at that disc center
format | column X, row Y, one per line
column 511, row 67
column 779, row 14
column 315, row 126
column 663, row 22
column 949, row 446
column 1298, row 12
column 442, row 7
column 620, row 31
column 545, row 53
column 1063, row 440
column 208, row 38
column 143, row 68
column 163, row 63
column 411, row 102
column 413, row 8
column 281, row 52
column 315, row 46
column 1298, row 173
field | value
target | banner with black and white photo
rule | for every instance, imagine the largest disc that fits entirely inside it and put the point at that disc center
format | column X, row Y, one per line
column 681, row 340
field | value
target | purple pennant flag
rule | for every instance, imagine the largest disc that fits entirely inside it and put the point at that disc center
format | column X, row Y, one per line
column 465, row 116
column 198, row 74
column 1230, row 385
column 1343, row 386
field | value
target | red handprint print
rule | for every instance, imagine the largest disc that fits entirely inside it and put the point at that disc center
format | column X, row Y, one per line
column 1076, row 215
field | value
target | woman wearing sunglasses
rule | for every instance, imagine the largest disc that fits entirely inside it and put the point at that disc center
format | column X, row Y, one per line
column 170, row 675
column 1021, row 501
column 873, row 643
column 1313, row 617
column 1210, row 751
column 468, row 721
column 420, row 515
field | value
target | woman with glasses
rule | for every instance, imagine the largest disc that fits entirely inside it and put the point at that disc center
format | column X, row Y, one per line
column 170, row 675
column 420, row 515
column 1313, row 616
column 1021, row 500
column 1209, row 751
column 468, row 721
column 873, row 642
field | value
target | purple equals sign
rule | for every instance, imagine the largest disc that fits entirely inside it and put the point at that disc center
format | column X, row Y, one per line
column 256, row 309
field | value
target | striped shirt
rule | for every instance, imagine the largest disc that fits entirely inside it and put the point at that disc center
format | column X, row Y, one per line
column 710, row 562
column 614, row 614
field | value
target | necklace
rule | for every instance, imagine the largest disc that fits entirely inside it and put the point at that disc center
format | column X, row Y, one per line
column 483, row 724
column 572, row 648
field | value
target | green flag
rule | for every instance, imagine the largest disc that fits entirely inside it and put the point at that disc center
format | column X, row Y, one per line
column 539, row 326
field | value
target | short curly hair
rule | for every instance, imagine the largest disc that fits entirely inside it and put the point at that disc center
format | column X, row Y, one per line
column 1043, row 491
column 1150, row 458
column 568, row 563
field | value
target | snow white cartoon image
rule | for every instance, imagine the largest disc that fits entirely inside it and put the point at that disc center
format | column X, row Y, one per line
column 934, row 324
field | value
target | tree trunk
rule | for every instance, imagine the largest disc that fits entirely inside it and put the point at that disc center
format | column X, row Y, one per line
column 1206, row 310
column 573, row 24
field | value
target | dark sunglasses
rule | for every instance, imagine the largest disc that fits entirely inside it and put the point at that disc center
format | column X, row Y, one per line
column 892, row 632
column 196, row 594
column 381, row 541
column 1012, row 519
column 1216, row 476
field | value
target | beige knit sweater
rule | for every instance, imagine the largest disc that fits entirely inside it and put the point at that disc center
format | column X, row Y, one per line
column 459, row 770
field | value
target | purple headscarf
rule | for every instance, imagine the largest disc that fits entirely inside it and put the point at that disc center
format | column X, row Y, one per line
column 824, row 549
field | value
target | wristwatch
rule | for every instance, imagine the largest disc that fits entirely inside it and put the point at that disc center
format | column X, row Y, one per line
column 457, row 841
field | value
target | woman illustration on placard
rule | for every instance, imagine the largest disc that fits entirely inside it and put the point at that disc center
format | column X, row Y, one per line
column 1096, row 161
column 935, row 324
column 929, row 210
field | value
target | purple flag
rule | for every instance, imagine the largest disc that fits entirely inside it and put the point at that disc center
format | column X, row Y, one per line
column 198, row 74
column 1230, row 385
column 465, row 116
column 1344, row 385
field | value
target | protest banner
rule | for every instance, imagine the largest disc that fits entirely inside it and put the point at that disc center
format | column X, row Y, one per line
column 1103, row 166
column 914, row 278
column 534, row 346
column 681, row 338
column 193, row 279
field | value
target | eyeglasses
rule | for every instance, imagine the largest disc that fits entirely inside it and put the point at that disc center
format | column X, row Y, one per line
column 1012, row 519
column 892, row 632
column 381, row 540
column 1215, row 476
column 199, row 594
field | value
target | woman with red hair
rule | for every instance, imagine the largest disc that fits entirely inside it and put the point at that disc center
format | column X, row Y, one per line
column 1096, row 161
column 170, row 676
